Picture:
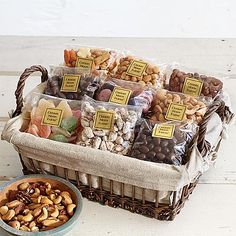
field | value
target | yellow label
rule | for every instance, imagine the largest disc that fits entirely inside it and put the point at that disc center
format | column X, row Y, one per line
column 192, row 87
column 70, row 83
column 163, row 131
column 52, row 116
column 175, row 112
column 120, row 96
column 136, row 68
column 104, row 120
column 84, row 63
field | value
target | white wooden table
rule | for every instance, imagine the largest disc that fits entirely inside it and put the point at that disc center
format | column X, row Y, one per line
column 211, row 208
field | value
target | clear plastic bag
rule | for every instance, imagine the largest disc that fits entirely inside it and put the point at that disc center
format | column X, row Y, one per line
column 155, row 146
column 168, row 105
column 139, row 70
column 53, row 118
column 125, row 92
column 90, row 58
column 192, row 81
column 69, row 83
column 108, row 126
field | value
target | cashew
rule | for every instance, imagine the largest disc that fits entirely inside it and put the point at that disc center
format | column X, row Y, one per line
column 65, row 193
column 64, row 218
column 27, row 218
column 25, row 228
column 46, row 200
column 49, row 222
column 9, row 215
column 60, row 207
column 13, row 204
column 55, row 213
column 33, row 206
column 48, row 187
column 35, row 200
column 43, row 216
column 57, row 200
column 23, row 186
column 37, row 211
column 3, row 210
column 36, row 192
column 15, row 224
column 19, row 217
column 32, row 224
column 34, row 229
column 70, row 209
column 52, row 223
column 66, row 198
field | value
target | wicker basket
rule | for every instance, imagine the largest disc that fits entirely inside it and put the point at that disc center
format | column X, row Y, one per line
column 106, row 195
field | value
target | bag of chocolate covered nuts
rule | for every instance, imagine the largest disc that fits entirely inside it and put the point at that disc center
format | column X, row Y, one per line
column 193, row 82
column 70, row 83
column 164, row 142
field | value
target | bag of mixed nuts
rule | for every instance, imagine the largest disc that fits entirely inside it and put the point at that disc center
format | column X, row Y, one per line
column 108, row 126
column 168, row 105
column 90, row 58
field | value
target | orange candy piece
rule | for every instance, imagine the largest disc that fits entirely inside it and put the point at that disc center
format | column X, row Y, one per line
column 38, row 129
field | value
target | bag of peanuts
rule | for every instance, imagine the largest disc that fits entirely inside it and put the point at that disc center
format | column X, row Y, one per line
column 168, row 105
column 125, row 93
column 90, row 58
column 143, row 71
column 164, row 142
column 191, row 82
column 52, row 118
column 69, row 83
column 108, row 126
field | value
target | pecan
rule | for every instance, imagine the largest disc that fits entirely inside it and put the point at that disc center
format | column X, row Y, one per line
column 23, row 197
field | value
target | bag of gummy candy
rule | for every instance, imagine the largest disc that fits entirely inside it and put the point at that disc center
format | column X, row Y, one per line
column 53, row 118
column 125, row 93
column 69, row 83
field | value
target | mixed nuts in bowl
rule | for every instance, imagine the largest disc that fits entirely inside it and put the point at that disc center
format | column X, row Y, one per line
column 39, row 205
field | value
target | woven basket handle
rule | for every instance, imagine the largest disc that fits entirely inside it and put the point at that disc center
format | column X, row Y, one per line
column 21, row 85
column 217, row 106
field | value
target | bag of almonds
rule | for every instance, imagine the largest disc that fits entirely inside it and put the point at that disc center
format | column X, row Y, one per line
column 69, row 83
column 164, row 142
column 191, row 82
column 125, row 93
column 143, row 71
column 168, row 105
column 108, row 126
column 52, row 118
column 89, row 58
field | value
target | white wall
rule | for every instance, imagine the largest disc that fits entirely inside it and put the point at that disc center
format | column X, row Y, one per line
column 131, row 18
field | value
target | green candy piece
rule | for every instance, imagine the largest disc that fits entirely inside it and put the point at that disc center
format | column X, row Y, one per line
column 69, row 123
column 59, row 138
